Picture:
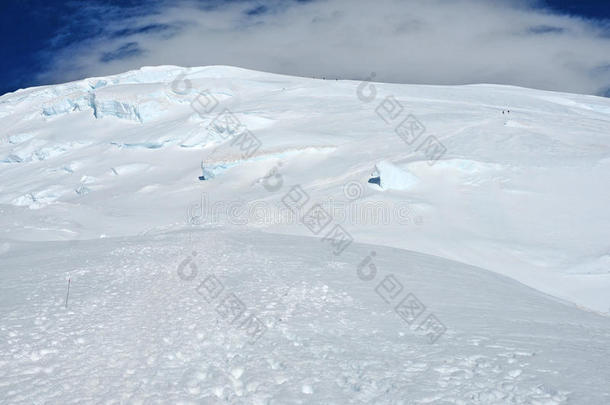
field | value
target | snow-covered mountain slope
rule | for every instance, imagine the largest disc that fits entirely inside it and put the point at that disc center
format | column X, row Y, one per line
column 523, row 194
column 99, row 179
column 137, row 330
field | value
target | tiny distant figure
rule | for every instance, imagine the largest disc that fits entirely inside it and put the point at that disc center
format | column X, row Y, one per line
column 502, row 112
column 508, row 112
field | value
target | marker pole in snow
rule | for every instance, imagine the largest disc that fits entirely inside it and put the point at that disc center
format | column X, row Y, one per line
column 68, row 293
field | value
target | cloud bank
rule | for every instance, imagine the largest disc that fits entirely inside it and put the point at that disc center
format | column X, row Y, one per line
column 408, row 41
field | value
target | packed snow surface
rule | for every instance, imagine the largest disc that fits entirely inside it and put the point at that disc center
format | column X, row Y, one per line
column 495, row 223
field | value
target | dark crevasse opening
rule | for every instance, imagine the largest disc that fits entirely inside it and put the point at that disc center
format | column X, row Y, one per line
column 375, row 180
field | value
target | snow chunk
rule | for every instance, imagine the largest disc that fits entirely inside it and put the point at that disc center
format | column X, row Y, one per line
column 70, row 103
column 116, row 109
column 394, row 178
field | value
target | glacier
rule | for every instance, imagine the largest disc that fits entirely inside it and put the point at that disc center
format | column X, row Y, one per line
column 502, row 237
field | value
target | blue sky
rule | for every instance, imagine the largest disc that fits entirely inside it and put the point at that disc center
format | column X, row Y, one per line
column 555, row 44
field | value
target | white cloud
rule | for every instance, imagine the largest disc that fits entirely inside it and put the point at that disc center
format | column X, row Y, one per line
column 416, row 41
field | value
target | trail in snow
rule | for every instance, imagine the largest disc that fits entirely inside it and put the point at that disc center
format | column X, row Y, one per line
column 137, row 332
